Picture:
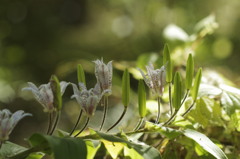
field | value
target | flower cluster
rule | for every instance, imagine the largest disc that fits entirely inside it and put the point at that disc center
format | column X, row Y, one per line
column 8, row 121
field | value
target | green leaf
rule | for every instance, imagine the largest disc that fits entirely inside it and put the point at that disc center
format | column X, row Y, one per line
column 177, row 94
column 168, row 63
column 189, row 72
column 144, row 150
column 81, row 74
column 196, row 85
column 92, row 148
column 205, row 143
column 56, row 89
column 125, row 88
column 168, row 132
column 62, row 148
column 131, row 153
column 10, row 149
column 230, row 102
column 207, row 111
column 114, row 149
column 142, row 99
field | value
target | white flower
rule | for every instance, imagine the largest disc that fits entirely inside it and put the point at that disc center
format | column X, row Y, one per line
column 44, row 94
column 8, row 121
column 103, row 74
column 88, row 99
column 155, row 79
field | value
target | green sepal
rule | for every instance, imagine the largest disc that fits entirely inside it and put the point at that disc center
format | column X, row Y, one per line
column 81, row 74
column 56, row 89
column 125, row 88
column 142, row 99
column 189, row 72
column 177, row 94
column 167, row 63
column 196, row 85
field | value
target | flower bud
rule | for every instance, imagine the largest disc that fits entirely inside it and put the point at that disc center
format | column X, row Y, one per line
column 189, row 72
column 196, row 85
column 56, row 89
column 81, row 74
column 177, row 94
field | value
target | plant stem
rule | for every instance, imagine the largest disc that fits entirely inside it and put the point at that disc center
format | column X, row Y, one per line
column 55, row 123
column 79, row 117
column 104, row 111
column 170, row 97
column 171, row 118
column 185, row 97
column 49, row 122
column 159, row 109
column 83, row 127
column 123, row 113
column 187, row 111
column 139, row 124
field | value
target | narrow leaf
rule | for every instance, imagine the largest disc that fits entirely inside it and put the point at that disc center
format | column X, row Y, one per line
column 142, row 99
column 168, row 63
column 177, row 94
column 189, row 71
column 205, row 143
column 125, row 88
column 81, row 74
column 56, row 89
column 196, row 84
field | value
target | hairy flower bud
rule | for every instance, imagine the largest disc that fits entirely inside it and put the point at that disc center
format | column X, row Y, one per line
column 155, row 79
column 103, row 73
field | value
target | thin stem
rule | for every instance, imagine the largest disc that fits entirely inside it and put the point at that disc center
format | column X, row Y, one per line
column 170, row 97
column 49, row 122
column 159, row 109
column 123, row 113
column 79, row 117
column 104, row 111
column 187, row 111
column 171, row 118
column 185, row 97
column 83, row 127
column 139, row 124
column 55, row 123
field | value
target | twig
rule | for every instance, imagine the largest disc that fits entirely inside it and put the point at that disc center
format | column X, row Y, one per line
column 170, row 97
column 123, row 113
column 159, row 109
column 104, row 111
column 187, row 111
column 55, row 123
column 83, row 127
column 49, row 122
column 139, row 124
column 79, row 117
column 185, row 97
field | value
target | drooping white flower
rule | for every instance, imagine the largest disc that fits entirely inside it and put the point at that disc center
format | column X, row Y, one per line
column 155, row 79
column 8, row 121
column 103, row 73
column 87, row 99
column 44, row 94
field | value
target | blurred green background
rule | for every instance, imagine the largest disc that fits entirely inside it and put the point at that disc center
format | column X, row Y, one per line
column 41, row 38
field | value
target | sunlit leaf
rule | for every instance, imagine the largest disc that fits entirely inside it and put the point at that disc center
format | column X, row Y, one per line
column 146, row 151
column 113, row 148
column 168, row 132
column 175, row 33
column 209, row 90
column 131, row 153
column 189, row 72
column 196, row 84
column 205, row 143
column 92, row 148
